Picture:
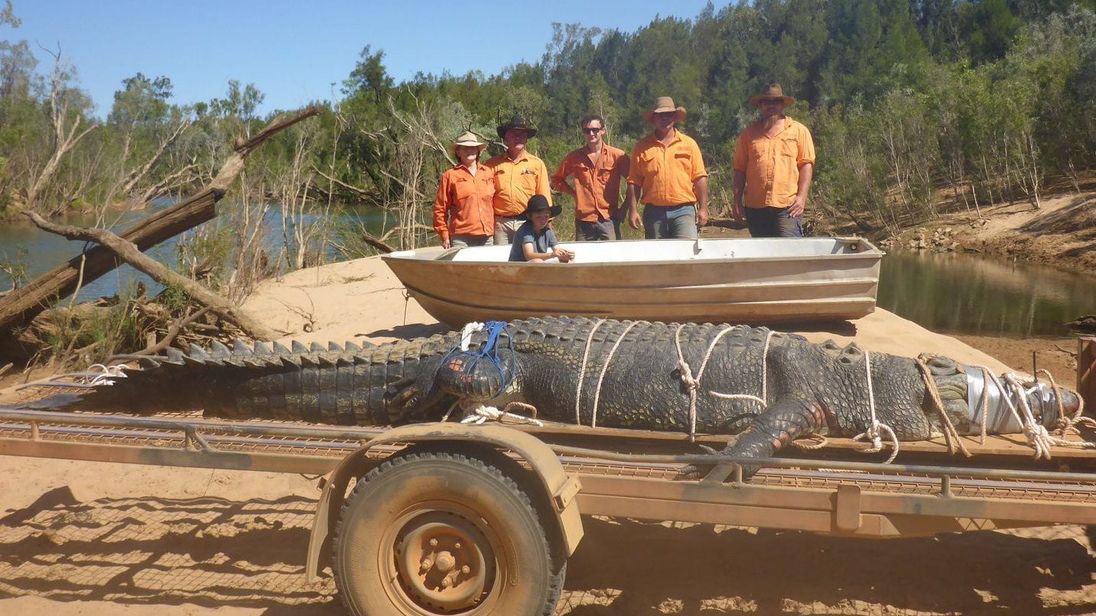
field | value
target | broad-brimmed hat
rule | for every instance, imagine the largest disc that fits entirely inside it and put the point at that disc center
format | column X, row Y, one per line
column 519, row 123
column 469, row 139
column 539, row 203
column 665, row 104
column 773, row 90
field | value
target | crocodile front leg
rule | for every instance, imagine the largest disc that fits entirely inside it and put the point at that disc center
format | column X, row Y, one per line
column 786, row 420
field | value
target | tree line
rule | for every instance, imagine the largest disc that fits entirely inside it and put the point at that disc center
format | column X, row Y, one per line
column 912, row 103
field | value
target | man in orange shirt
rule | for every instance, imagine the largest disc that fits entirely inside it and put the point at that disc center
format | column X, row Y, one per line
column 463, row 212
column 597, row 168
column 773, row 168
column 518, row 176
column 667, row 175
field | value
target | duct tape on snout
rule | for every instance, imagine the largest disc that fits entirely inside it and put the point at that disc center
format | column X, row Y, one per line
column 999, row 418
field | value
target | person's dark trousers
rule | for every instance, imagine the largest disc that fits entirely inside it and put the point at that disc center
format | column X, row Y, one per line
column 595, row 230
column 773, row 222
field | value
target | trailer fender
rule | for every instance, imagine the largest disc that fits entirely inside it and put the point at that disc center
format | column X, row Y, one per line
column 559, row 488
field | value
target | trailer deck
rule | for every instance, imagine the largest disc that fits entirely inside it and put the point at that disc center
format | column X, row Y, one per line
column 635, row 474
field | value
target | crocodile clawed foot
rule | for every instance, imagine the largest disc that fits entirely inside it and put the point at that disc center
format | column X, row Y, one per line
column 696, row 471
column 699, row 471
column 692, row 471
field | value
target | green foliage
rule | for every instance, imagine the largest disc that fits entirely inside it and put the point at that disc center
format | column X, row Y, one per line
column 903, row 96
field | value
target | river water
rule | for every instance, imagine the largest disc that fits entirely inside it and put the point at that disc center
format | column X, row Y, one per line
column 948, row 293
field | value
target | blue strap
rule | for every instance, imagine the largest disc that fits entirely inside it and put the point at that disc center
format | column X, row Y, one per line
column 489, row 351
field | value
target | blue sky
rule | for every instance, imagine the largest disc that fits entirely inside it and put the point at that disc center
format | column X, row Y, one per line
column 296, row 52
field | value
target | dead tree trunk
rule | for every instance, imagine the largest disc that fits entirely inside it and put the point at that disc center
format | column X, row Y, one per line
column 23, row 304
column 128, row 252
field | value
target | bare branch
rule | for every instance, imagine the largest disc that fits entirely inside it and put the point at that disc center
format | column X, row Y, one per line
column 128, row 252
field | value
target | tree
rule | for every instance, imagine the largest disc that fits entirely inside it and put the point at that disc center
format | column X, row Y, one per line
column 67, row 107
column 369, row 76
column 146, row 125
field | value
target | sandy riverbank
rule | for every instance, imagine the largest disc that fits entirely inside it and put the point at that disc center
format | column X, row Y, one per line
column 99, row 539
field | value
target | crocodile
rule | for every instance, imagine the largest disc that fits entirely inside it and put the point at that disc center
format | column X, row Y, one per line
column 767, row 387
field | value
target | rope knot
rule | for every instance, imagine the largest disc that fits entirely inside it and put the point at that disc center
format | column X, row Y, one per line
column 687, row 379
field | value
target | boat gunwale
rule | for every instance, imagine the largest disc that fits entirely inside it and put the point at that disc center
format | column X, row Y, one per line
column 871, row 252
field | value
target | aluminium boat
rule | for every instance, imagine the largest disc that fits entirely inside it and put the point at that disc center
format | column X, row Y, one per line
column 755, row 281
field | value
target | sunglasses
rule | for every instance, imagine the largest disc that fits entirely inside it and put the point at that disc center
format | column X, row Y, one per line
column 592, row 130
column 772, row 101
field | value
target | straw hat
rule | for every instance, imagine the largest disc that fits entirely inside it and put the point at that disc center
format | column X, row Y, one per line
column 773, row 90
column 664, row 104
column 539, row 203
column 469, row 139
column 519, row 123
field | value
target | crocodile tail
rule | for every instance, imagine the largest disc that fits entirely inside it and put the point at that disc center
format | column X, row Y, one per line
column 335, row 384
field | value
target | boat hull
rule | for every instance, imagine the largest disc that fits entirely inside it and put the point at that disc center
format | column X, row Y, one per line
column 733, row 280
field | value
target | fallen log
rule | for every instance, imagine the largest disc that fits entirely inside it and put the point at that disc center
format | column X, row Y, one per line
column 21, row 305
column 127, row 251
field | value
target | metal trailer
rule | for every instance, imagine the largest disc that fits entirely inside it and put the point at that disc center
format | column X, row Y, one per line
column 448, row 518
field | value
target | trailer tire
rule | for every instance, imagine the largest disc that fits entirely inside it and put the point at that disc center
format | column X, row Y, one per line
column 420, row 519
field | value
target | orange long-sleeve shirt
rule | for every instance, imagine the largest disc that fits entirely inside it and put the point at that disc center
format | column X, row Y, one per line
column 463, row 205
column 518, row 180
column 597, row 182
column 666, row 173
column 771, row 164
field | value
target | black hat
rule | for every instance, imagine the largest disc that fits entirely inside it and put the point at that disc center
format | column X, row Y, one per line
column 517, row 122
column 539, row 203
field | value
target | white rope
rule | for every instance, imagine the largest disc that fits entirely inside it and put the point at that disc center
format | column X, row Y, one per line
column 107, row 374
column 693, row 384
column 1068, row 424
column 604, row 369
column 483, row 414
column 873, row 431
column 1040, row 439
column 764, row 379
column 582, row 372
column 466, row 334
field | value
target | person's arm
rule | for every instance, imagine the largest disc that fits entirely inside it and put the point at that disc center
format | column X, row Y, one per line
column 559, row 179
column 739, row 184
column 441, row 207
column 612, row 189
column 805, row 161
column 532, row 256
column 806, row 174
column 700, row 188
column 741, row 161
column 635, row 190
column 630, row 201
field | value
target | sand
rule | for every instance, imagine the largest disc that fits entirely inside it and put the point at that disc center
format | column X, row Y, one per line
column 99, row 538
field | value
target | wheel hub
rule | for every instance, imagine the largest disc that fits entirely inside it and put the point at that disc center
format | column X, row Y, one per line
column 444, row 562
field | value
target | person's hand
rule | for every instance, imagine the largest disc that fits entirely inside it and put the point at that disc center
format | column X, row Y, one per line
column 739, row 212
column 563, row 254
column 701, row 217
column 798, row 205
column 445, row 243
column 633, row 218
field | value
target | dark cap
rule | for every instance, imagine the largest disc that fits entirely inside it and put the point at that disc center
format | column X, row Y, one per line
column 519, row 123
column 539, row 203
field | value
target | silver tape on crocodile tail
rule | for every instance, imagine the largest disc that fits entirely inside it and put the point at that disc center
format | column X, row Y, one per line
column 1000, row 417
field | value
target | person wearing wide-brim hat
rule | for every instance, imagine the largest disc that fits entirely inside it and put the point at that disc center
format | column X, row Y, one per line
column 464, row 214
column 773, row 168
column 535, row 241
column 668, row 176
column 518, row 176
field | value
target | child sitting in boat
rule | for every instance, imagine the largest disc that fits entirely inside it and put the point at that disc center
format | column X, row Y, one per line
column 535, row 241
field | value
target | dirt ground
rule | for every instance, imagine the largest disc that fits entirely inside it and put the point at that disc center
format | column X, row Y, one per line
column 94, row 539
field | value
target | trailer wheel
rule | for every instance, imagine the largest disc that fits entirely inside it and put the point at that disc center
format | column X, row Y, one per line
column 442, row 533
